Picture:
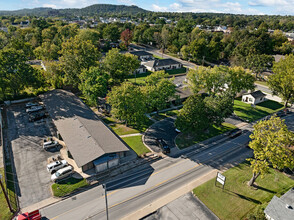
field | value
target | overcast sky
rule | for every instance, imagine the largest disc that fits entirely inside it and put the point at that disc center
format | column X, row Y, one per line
column 281, row 7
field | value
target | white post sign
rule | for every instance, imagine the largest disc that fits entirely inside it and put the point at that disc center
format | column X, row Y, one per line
column 221, row 179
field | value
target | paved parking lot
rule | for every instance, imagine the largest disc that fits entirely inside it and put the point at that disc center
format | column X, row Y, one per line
column 29, row 158
column 163, row 129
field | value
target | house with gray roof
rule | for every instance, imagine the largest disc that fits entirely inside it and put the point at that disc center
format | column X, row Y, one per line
column 281, row 208
column 142, row 55
column 88, row 140
column 253, row 97
column 163, row 64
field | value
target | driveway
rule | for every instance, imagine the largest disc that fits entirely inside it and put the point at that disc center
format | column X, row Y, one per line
column 28, row 156
column 163, row 129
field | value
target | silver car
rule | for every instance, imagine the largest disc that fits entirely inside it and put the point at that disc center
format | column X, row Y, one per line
column 62, row 173
column 35, row 109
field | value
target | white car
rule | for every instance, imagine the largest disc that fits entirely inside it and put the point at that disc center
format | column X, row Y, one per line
column 52, row 167
column 49, row 144
column 34, row 109
column 62, row 173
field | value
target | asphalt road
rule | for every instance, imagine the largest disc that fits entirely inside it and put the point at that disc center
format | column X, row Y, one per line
column 140, row 189
column 29, row 157
column 165, row 56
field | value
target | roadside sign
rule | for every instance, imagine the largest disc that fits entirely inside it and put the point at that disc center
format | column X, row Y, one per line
column 221, row 179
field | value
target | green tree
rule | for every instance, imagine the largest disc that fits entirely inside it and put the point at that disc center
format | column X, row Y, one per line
column 127, row 103
column 76, row 56
column 111, row 32
column 158, row 90
column 119, row 66
column 220, row 79
column 54, row 74
column 282, row 81
column 259, row 63
column 193, row 115
column 15, row 72
column 94, row 83
column 271, row 142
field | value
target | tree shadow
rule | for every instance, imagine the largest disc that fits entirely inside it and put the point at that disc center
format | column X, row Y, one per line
column 242, row 196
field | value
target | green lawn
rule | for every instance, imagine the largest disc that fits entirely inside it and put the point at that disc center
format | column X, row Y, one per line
column 187, row 139
column 68, row 186
column 176, row 71
column 109, row 120
column 164, row 115
column 4, row 210
column 247, row 112
column 158, row 57
column 135, row 142
column 121, row 129
column 263, row 83
column 238, row 200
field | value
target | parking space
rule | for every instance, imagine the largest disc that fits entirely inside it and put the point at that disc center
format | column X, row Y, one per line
column 163, row 129
column 29, row 157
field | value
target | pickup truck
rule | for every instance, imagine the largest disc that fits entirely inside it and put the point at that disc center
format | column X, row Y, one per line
column 35, row 215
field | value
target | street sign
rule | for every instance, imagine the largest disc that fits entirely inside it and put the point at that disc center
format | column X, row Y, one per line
column 221, row 179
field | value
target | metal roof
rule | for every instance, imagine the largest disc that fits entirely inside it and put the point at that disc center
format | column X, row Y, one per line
column 85, row 135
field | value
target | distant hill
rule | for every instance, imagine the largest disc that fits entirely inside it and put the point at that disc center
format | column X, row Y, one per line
column 97, row 9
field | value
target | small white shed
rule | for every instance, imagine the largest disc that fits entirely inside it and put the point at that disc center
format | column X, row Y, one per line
column 253, row 97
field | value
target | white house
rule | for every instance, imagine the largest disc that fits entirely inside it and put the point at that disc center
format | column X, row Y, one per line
column 141, row 69
column 253, row 97
column 164, row 64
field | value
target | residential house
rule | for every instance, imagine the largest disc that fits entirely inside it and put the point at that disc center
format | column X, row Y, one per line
column 281, row 208
column 142, row 55
column 253, row 97
column 163, row 64
column 141, row 69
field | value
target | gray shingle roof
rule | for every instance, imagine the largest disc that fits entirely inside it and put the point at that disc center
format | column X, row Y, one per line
column 256, row 94
column 85, row 135
column 162, row 62
column 141, row 53
column 281, row 208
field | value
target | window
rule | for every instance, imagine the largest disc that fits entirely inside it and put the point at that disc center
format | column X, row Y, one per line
column 250, row 100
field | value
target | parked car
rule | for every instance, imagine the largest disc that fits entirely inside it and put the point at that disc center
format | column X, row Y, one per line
column 50, row 144
column 281, row 113
column 62, row 173
column 55, row 166
column 34, row 116
column 31, row 104
column 163, row 146
column 35, row 109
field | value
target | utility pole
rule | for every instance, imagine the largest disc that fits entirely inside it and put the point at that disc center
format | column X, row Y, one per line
column 105, row 194
column 5, row 194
